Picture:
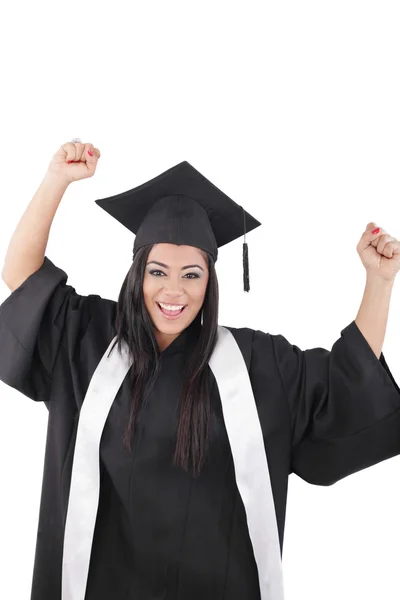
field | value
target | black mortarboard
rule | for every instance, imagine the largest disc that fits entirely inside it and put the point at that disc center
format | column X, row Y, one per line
column 180, row 206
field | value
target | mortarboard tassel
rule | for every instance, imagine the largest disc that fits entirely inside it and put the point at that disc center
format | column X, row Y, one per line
column 246, row 276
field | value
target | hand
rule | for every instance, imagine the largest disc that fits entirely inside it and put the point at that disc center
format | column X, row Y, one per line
column 73, row 162
column 379, row 253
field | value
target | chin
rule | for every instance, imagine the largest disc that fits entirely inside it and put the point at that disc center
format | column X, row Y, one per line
column 171, row 330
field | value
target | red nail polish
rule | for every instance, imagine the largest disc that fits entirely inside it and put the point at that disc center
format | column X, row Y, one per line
column 90, row 153
column 376, row 230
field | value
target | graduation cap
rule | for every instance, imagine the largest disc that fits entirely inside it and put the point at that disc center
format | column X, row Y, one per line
column 181, row 206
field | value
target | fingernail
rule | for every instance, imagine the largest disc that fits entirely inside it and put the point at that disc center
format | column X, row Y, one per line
column 376, row 230
column 90, row 153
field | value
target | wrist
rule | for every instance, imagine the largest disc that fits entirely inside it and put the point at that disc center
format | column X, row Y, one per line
column 55, row 181
column 379, row 282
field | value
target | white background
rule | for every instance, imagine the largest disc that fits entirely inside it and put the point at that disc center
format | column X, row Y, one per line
column 292, row 108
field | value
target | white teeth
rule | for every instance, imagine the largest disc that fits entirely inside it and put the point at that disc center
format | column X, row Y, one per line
column 171, row 307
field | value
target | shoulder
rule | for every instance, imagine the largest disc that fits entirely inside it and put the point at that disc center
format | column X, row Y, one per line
column 241, row 334
column 254, row 343
column 255, row 337
column 99, row 306
column 97, row 316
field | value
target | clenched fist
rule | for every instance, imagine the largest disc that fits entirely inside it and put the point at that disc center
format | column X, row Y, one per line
column 379, row 252
column 74, row 161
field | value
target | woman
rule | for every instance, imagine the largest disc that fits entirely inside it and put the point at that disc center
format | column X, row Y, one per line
column 194, row 447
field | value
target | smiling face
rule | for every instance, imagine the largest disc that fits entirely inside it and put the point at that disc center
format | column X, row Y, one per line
column 174, row 287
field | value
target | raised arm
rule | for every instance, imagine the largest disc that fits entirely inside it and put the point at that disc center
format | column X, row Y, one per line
column 42, row 309
column 27, row 247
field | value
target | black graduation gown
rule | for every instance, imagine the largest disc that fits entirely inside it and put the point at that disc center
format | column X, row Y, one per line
column 160, row 533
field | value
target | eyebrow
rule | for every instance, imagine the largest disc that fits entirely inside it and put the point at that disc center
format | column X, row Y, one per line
column 167, row 267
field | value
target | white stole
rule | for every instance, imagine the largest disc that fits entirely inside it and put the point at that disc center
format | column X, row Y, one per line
column 248, row 451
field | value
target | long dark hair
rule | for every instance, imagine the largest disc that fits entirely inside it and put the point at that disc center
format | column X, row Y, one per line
column 135, row 327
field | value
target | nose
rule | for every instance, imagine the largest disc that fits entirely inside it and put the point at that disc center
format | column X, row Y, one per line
column 173, row 288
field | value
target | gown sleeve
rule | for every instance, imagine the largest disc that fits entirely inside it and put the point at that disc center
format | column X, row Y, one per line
column 344, row 406
column 33, row 321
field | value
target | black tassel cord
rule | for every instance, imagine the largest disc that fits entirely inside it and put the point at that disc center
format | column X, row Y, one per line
column 246, row 278
column 246, row 275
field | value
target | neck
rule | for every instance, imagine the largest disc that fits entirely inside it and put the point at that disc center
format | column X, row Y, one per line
column 165, row 339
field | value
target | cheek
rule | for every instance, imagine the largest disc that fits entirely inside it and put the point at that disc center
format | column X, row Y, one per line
column 150, row 289
column 199, row 293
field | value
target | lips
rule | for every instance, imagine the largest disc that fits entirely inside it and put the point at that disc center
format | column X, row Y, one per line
column 168, row 314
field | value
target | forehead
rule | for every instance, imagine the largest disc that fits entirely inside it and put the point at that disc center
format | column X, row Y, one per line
column 173, row 254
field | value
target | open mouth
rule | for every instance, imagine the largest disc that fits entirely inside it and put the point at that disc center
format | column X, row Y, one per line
column 171, row 313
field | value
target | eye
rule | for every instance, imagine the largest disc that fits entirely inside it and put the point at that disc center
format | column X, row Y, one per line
column 188, row 275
